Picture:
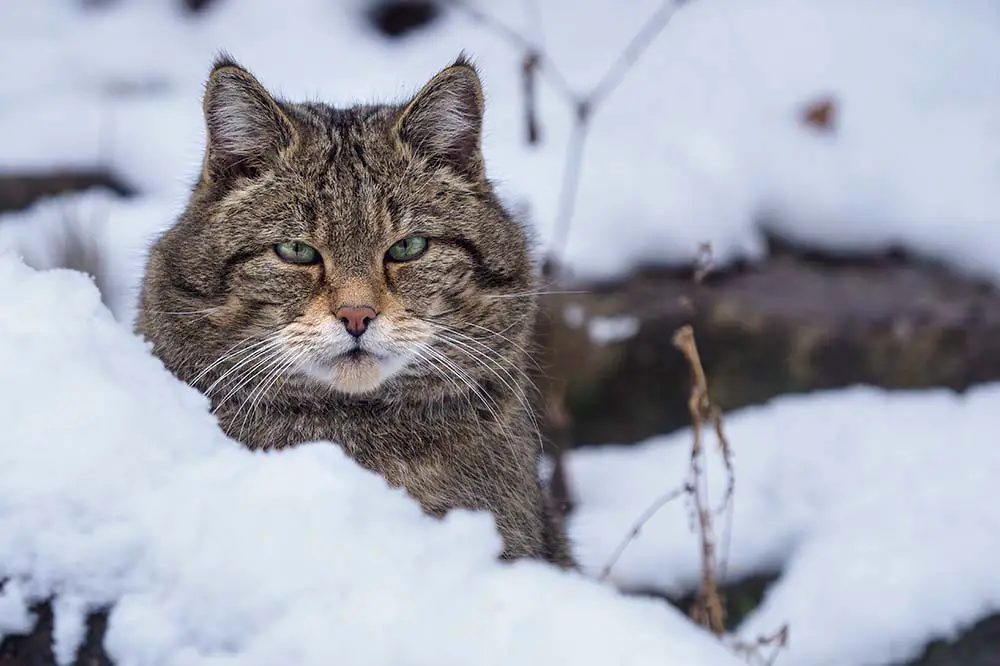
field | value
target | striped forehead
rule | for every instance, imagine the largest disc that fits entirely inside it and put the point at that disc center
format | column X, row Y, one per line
column 354, row 190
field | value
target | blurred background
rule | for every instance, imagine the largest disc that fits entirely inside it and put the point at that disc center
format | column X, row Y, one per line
column 814, row 185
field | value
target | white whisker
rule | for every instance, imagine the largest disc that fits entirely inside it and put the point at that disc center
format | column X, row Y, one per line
column 482, row 359
column 263, row 387
column 528, row 294
column 486, row 350
column 230, row 353
column 270, row 357
column 488, row 402
column 263, row 347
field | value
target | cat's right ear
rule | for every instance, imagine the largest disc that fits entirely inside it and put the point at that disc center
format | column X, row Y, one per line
column 246, row 126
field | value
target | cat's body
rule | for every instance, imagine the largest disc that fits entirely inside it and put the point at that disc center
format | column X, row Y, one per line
column 349, row 275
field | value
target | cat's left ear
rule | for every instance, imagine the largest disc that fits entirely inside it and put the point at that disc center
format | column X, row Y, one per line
column 247, row 128
column 444, row 121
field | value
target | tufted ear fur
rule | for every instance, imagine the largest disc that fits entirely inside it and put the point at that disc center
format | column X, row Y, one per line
column 246, row 126
column 444, row 121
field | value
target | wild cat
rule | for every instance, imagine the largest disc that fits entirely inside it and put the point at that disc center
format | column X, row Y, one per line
column 358, row 280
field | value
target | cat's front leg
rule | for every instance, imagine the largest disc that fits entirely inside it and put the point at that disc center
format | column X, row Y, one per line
column 526, row 520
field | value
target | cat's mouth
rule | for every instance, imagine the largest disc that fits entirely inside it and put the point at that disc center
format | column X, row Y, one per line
column 351, row 366
column 358, row 370
column 359, row 355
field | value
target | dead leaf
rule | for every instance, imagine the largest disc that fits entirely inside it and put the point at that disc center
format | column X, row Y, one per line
column 821, row 114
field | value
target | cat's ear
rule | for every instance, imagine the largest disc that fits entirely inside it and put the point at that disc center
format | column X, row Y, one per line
column 246, row 126
column 444, row 121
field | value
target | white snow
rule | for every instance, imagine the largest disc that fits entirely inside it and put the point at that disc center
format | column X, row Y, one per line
column 97, row 230
column 701, row 142
column 127, row 493
column 605, row 330
column 601, row 330
column 116, row 486
column 877, row 508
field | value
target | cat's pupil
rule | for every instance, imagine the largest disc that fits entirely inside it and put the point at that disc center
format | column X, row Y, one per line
column 296, row 252
column 408, row 248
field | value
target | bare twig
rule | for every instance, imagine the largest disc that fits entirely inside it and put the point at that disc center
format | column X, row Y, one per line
column 709, row 608
column 765, row 650
column 641, row 41
column 650, row 511
column 498, row 27
column 568, row 190
column 529, row 74
column 535, row 61
column 582, row 104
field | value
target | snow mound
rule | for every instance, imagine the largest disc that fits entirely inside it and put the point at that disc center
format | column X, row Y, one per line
column 877, row 508
column 95, row 232
column 117, row 487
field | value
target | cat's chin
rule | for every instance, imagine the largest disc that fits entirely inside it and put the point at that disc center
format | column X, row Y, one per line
column 357, row 373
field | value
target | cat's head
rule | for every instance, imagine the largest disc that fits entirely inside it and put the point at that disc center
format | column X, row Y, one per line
column 352, row 249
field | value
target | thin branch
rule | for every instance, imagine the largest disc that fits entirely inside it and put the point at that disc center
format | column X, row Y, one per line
column 755, row 653
column 494, row 24
column 583, row 105
column 498, row 27
column 709, row 608
column 533, row 14
column 650, row 511
column 568, row 192
column 641, row 41
column 529, row 75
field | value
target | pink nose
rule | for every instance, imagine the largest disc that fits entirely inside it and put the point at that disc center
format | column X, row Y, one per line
column 356, row 318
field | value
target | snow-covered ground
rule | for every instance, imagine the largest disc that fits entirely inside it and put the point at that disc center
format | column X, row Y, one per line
column 701, row 142
column 126, row 492
column 117, row 486
column 877, row 508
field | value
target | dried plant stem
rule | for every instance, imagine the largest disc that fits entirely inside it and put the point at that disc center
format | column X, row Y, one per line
column 709, row 608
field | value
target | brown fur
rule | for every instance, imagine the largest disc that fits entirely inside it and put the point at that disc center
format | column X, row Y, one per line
column 453, row 426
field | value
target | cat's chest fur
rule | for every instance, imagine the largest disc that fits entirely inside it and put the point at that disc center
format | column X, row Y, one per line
column 381, row 435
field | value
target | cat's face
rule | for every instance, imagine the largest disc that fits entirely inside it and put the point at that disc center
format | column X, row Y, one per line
column 347, row 249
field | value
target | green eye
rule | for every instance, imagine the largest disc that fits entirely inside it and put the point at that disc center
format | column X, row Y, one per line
column 408, row 248
column 297, row 253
